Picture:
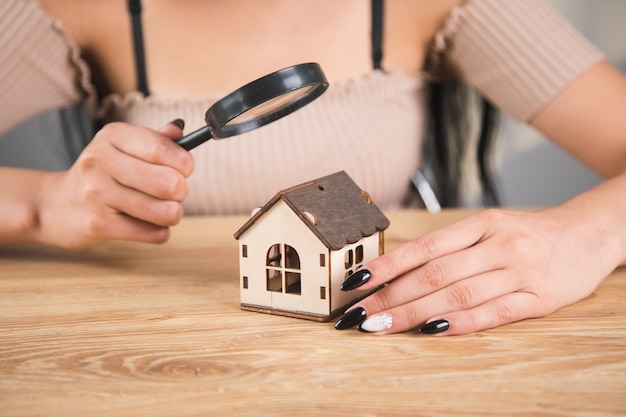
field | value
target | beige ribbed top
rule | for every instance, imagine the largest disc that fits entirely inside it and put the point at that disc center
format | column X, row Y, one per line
column 518, row 53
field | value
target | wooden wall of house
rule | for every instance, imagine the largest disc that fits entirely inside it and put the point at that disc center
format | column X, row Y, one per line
column 342, row 264
column 281, row 225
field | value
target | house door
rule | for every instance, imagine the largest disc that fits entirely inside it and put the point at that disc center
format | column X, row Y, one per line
column 283, row 270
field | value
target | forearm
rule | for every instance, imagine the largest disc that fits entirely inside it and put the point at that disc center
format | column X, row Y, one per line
column 20, row 193
column 587, row 120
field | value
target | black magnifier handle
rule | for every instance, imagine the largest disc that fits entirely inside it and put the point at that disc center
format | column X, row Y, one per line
column 260, row 102
column 196, row 138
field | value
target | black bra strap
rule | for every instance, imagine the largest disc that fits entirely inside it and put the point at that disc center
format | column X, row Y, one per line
column 377, row 33
column 134, row 7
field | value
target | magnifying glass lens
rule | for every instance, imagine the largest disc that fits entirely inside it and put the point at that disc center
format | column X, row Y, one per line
column 260, row 102
column 270, row 107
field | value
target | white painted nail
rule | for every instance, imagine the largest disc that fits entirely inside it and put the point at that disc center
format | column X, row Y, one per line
column 377, row 323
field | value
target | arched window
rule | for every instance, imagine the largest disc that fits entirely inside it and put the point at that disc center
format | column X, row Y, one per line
column 283, row 269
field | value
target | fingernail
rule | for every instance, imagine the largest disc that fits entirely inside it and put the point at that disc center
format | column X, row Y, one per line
column 178, row 122
column 351, row 318
column 377, row 323
column 434, row 327
column 357, row 279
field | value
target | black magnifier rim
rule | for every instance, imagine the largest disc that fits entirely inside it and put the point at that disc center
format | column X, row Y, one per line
column 264, row 89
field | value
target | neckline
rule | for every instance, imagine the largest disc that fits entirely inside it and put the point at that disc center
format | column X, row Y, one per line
column 376, row 77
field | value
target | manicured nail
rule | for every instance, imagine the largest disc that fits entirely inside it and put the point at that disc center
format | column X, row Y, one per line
column 357, row 279
column 434, row 327
column 351, row 318
column 377, row 323
column 179, row 122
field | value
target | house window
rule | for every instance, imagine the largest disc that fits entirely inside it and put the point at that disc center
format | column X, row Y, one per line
column 283, row 269
column 353, row 258
column 349, row 258
column 244, row 251
column 358, row 254
column 245, row 282
column 322, row 259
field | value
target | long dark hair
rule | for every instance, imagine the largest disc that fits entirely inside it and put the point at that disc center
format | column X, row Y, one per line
column 456, row 113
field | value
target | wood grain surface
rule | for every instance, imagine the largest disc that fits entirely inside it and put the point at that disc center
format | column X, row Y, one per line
column 138, row 330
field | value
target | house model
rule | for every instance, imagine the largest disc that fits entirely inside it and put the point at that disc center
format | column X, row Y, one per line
column 296, row 251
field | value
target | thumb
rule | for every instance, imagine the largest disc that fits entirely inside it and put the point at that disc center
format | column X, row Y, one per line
column 174, row 129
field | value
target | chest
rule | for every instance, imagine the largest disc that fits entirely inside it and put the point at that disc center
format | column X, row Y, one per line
column 195, row 48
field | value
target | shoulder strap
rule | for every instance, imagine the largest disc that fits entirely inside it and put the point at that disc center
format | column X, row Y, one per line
column 134, row 7
column 377, row 33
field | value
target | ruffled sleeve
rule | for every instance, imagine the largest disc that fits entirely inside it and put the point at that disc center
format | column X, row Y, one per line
column 41, row 65
column 518, row 53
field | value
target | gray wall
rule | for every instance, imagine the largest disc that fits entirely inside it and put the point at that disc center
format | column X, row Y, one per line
column 533, row 171
column 50, row 141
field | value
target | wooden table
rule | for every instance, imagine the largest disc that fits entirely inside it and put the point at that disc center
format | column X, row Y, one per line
column 135, row 330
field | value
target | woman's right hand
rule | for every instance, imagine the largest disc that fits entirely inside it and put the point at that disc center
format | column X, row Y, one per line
column 127, row 184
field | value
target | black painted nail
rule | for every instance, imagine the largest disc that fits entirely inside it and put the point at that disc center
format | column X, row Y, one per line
column 351, row 318
column 357, row 279
column 179, row 122
column 434, row 327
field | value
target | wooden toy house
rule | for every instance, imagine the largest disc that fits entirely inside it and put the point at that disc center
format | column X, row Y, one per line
column 296, row 251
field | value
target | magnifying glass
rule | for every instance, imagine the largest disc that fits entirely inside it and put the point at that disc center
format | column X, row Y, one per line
column 260, row 102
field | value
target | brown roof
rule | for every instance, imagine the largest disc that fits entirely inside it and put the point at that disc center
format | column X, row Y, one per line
column 343, row 213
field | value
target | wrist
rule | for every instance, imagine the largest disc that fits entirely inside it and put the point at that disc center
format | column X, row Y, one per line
column 41, row 207
column 18, row 214
column 603, row 208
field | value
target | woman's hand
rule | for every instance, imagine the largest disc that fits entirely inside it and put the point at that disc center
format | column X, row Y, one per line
column 128, row 184
column 492, row 268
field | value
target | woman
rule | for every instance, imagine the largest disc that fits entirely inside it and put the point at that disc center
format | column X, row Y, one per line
column 132, row 181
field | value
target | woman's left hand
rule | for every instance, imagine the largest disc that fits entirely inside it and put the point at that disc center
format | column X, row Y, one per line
column 492, row 268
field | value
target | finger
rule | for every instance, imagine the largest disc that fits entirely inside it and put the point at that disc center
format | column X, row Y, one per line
column 119, row 226
column 138, row 231
column 144, row 207
column 99, row 192
column 158, row 181
column 174, row 129
column 432, row 245
column 433, row 276
column 150, row 146
column 462, row 295
column 506, row 309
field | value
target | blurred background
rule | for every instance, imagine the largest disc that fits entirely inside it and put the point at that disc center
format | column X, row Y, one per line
column 531, row 170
